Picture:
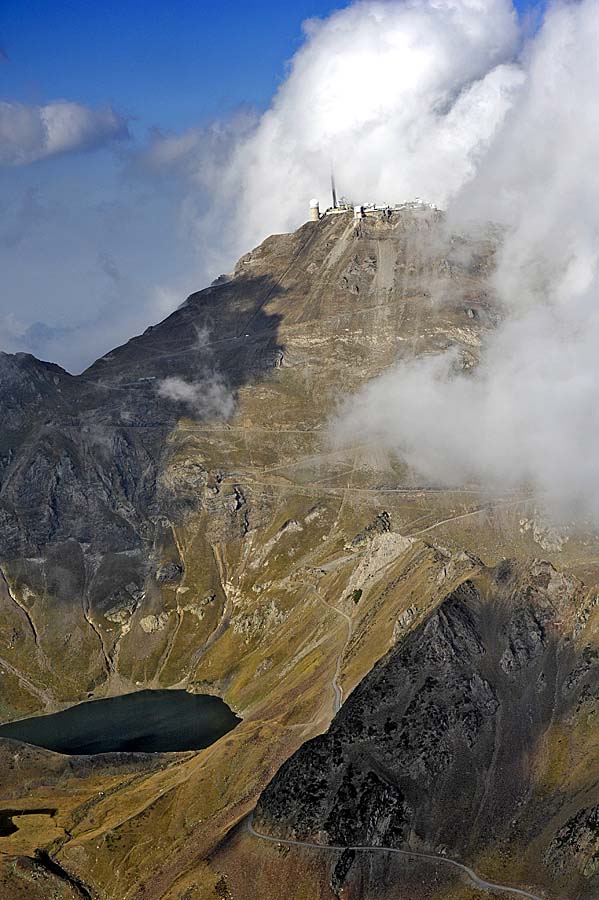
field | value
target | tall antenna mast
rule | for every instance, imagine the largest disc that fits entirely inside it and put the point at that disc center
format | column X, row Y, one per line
column 333, row 191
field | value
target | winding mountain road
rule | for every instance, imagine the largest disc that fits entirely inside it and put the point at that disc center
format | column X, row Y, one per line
column 476, row 880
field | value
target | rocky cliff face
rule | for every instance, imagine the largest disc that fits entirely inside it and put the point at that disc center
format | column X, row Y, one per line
column 176, row 516
column 442, row 745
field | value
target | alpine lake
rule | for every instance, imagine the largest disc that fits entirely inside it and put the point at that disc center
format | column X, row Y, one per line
column 149, row 721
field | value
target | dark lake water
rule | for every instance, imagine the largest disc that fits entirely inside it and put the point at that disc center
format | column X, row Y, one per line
column 144, row 722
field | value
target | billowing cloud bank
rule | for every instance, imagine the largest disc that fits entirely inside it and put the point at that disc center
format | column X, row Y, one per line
column 402, row 98
column 530, row 413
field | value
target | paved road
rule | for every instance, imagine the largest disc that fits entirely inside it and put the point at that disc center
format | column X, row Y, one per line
column 476, row 880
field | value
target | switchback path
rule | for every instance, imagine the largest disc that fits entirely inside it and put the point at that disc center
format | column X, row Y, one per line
column 476, row 880
column 337, row 689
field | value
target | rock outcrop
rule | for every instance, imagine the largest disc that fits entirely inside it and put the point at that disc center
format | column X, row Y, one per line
column 438, row 748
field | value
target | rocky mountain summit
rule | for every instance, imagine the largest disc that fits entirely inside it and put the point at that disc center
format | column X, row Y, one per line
column 180, row 516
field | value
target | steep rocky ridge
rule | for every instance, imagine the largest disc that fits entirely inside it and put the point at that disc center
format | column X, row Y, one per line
column 444, row 744
column 147, row 541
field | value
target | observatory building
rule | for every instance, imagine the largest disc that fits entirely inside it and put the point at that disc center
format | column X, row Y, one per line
column 363, row 210
column 366, row 210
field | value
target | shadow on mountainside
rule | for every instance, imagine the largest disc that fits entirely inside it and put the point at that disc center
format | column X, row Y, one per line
column 223, row 331
column 81, row 464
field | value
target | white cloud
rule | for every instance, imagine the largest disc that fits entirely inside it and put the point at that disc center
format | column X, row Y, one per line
column 401, row 97
column 11, row 332
column 208, row 395
column 199, row 153
column 30, row 133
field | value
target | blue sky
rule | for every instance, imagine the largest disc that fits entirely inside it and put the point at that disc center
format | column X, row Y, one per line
column 168, row 64
column 94, row 244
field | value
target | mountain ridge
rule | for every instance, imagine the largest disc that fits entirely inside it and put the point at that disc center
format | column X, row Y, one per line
column 146, row 541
